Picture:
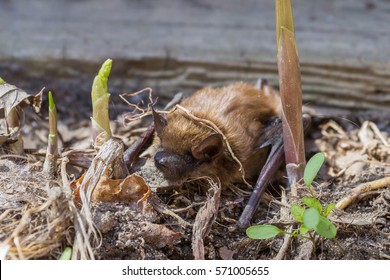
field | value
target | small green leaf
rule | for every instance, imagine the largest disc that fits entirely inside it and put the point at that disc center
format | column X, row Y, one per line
column 312, row 167
column 297, row 212
column 66, row 254
column 2, row 81
column 104, row 72
column 100, row 101
column 303, row 229
column 329, row 209
column 263, row 231
column 325, row 228
column 51, row 102
column 311, row 218
column 313, row 203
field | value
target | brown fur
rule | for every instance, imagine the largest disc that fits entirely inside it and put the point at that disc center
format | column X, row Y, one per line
column 238, row 111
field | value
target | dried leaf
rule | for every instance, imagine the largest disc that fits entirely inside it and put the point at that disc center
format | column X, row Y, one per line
column 225, row 253
column 75, row 186
column 13, row 99
column 158, row 235
column 12, row 96
column 131, row 189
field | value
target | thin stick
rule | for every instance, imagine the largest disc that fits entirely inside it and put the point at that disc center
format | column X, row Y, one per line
column 360, row 189
column 132, row 152
column 285, row 216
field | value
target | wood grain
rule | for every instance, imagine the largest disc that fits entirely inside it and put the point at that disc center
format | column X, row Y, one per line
column 173, row 45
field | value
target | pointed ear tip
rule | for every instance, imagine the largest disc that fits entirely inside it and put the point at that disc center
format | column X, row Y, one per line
column 214, row 137
column 159, row 122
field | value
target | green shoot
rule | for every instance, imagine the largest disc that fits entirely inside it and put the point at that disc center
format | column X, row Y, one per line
column 52, row 119
column 263, row 231
column 328, row 209
column 312, row 168
column 101, row 130
column 312, row 202
column 297, row 212
column 2, row 81
column 313, row 217
column 66, row 254
column 50, row 164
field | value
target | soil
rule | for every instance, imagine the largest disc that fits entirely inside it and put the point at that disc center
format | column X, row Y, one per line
column 173, row 223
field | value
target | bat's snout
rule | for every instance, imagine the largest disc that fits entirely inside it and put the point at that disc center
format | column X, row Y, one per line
column 171, row 164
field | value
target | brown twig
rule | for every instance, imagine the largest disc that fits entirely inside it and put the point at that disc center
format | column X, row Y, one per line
column 355, row 193
column 132, row 152
column 284, row 216
column 161, row 208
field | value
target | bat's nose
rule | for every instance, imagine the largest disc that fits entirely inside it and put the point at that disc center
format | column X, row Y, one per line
column 162, row 160
column 172, row 164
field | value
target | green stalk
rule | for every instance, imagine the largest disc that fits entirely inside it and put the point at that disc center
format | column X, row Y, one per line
column 50, row 164
column 284, row 17
column 101, row 130
column 290, row 91
column 53, row 138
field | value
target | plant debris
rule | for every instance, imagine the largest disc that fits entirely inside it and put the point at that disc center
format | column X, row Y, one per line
column 125, row 216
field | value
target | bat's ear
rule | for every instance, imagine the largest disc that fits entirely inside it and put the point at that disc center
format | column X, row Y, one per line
column 159, row 122
column 261, row 83
column 208, row 148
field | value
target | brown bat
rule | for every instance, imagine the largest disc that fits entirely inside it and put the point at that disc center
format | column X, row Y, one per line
column 194, row 141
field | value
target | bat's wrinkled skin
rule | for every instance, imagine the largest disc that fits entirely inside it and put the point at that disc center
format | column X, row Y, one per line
column 189, row 148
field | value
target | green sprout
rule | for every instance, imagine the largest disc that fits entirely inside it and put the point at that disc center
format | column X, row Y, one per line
column 52, row 119
column 101, row 130
column 66, row 254
column 312, row 216
column 2, row 81
column 50, row 164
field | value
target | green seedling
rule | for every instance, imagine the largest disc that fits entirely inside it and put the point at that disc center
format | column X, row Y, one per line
column 101, row 130
column 50, row 164
column 66, row 254
column 311, row 216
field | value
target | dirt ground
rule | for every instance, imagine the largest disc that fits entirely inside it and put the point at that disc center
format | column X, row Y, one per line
column 38, row 218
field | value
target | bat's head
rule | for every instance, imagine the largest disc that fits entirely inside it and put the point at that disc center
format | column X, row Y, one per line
column 187, row 149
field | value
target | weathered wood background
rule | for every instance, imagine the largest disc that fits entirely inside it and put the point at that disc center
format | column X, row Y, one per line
column 172, row 45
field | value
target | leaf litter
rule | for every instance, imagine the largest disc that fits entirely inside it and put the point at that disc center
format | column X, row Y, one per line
column 126, row 218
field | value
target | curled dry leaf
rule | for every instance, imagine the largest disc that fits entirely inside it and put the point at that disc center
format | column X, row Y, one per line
column 131, row 189
column 225, row 253
column 12, row 97
column 158, row 235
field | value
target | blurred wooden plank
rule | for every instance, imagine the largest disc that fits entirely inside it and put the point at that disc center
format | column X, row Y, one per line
column 173, row 45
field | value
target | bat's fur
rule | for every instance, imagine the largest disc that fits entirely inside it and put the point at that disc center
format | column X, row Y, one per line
column 239, row 111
